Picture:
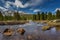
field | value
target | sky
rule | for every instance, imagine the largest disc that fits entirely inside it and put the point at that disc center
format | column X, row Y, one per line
column 30, row 6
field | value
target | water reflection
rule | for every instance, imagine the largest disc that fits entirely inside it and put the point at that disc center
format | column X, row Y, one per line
column 57, row 28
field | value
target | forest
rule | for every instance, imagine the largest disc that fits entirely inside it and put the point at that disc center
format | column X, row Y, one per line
column 37, row 16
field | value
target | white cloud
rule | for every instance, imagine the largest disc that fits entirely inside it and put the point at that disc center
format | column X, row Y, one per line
column 20, row 11
column 27, row 4
column 35, row 2
column 18, row 3
column 3, row 9
column 7, row 4
column 36, row 10
column 57, row 9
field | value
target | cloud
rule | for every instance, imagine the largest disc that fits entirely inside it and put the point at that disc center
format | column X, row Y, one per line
column 3, row 9
column 20, row 11
column 35, row 2
column 18, row 3
column 36, row 10
column 27, row 4
column 7, row 4
column 57, row 9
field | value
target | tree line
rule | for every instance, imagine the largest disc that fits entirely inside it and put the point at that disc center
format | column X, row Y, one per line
column 37, row 16
column 46, row 15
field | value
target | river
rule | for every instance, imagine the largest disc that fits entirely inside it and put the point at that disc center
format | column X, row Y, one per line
column 33, row 32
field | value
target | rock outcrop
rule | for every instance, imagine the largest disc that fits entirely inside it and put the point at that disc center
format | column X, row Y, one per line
column 44, row 28
column 8, row 32
column 21, row 31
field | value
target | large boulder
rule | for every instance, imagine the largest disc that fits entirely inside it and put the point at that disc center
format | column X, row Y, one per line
column 8, row 32
column 54, row 22
column 21, row 31
column 44, row 28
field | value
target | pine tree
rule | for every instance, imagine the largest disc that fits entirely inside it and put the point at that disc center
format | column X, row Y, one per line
column 34, row 16
column 1, row 16
column 17, row 16
column 49, row 17
column 38, row 15
column 53, row 17
column 58, row 14
column 42, row 16
column 45, row 16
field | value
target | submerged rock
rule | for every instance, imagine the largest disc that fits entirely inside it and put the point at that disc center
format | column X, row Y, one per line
column 29, row 37
column 44, row 28
column 8, row 32
column 21, row 31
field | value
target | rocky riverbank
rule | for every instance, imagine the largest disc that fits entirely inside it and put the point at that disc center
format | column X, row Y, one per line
column 12, row 22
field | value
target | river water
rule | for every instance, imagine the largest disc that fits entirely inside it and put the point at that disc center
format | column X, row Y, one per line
column 33, row 32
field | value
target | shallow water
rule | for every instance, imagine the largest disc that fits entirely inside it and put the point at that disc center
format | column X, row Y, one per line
column 33, row 32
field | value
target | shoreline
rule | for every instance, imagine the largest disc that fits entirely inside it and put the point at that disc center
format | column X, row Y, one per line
column 12, row 22
column 20, row 22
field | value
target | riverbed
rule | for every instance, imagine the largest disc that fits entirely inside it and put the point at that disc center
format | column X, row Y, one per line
column 33, row 31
